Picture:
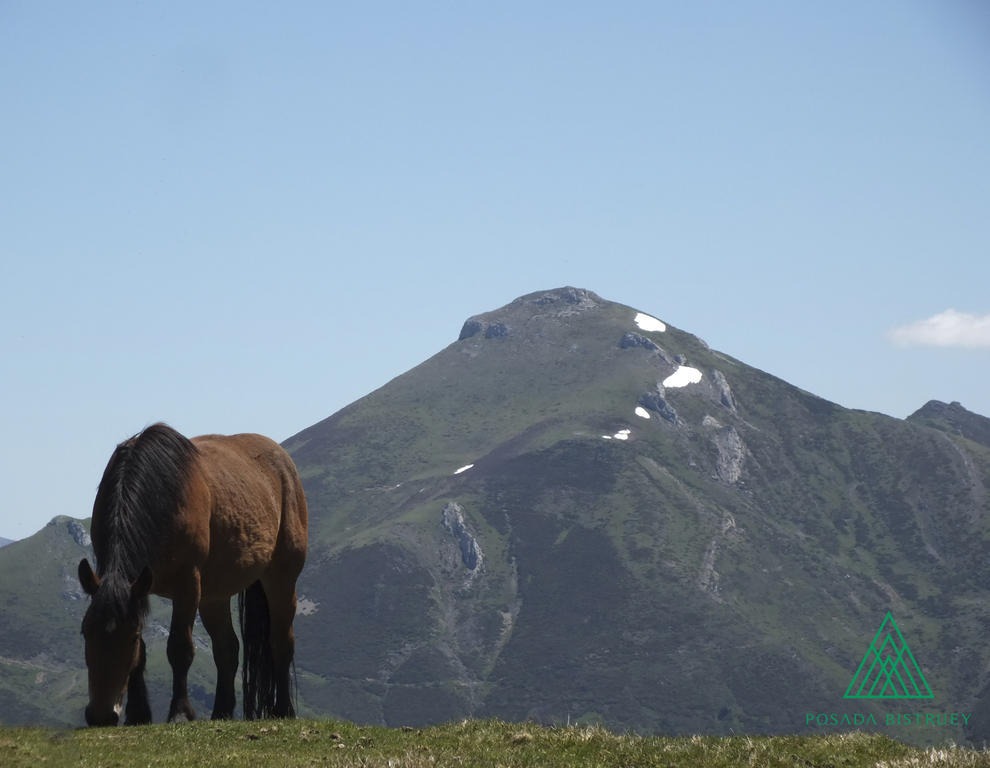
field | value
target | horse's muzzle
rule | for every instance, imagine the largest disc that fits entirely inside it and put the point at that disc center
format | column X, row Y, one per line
column 111, row 718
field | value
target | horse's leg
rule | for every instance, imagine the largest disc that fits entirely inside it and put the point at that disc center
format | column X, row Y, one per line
column 180, row 647
column 216, row 619
column 282, row 610
column 138, row 711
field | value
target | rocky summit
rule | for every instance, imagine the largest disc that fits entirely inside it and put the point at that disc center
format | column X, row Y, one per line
column 577, row 512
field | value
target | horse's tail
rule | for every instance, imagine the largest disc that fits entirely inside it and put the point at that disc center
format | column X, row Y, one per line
column 259, row 666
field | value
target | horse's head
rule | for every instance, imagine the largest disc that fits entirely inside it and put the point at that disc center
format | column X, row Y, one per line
column 112, row 629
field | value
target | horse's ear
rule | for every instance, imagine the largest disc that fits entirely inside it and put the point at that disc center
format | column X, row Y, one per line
column 90, row 581
column 142, row 586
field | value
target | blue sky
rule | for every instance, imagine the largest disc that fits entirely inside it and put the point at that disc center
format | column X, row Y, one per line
column 244, row 216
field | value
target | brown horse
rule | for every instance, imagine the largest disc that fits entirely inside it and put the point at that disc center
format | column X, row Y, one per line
column 195, row 521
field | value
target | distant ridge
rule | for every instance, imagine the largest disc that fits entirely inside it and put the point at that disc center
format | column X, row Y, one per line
column 953, row 417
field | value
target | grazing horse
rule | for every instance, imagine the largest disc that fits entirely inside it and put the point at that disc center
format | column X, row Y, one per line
column 195, row 521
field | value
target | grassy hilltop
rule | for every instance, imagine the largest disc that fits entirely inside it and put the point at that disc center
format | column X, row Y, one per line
column 468, row 743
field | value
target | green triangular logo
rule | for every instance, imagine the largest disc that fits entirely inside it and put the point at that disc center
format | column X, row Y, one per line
column 888, row 670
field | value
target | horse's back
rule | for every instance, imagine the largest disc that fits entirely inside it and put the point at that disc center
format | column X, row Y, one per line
column 257, row 510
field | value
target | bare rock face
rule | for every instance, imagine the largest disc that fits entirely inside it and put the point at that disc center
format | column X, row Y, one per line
column 452, row 519
column 731, row 454
column 632, row 339
column 74, row 528
column 79, row 534
column 724, row 392
column 574, row 297
column 473, row 326
column 470, row 328
column 496, row 331
column 656, row 402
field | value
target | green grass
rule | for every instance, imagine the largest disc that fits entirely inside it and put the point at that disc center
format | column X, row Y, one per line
column 469, row 743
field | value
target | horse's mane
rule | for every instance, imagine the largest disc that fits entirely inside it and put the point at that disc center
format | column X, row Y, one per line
column 142, row 488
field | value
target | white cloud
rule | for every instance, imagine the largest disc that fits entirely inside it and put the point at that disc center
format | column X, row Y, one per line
column 946, row 329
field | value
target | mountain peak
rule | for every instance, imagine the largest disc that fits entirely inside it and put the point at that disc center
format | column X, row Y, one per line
column 954, row 419
column 571, row 466
column 558, row 303
column 938, row 408
column 568, row 294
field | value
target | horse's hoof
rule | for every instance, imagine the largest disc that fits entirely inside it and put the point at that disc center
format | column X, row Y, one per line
column 181, row 713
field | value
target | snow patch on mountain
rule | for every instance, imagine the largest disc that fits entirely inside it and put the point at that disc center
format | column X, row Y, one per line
column 683, row 376
column 622, row 434
column 648, row 323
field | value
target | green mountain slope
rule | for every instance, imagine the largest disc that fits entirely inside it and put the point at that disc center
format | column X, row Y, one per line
column 721, row 565
column 724, row 567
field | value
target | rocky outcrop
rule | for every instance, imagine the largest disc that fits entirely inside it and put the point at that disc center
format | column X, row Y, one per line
column 516, row 320
column 452, row 519
column 79, row 534
column 470, row 328
column 496, row 331
column 473, row 326
column 730, row 447
column 575, row 297
column 722, row 387
column 631, row 339
column 656, row 402
column 74, row 528
column 708, row 578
